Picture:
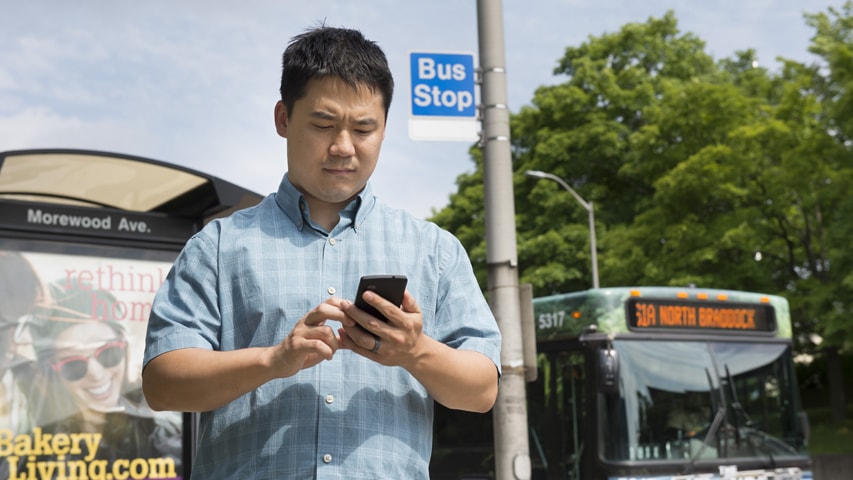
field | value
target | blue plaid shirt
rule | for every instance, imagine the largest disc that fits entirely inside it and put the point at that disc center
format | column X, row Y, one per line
column 245, row 280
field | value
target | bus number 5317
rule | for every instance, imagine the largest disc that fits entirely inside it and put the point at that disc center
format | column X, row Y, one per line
column 552, row 319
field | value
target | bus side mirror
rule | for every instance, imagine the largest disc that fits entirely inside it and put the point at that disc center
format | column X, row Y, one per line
column 608, row 370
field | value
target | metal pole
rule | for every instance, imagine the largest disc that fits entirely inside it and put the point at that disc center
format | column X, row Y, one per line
column 593, row 250
column 512, row 457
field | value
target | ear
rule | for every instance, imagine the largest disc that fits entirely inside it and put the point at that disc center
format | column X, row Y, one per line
column 281, row 119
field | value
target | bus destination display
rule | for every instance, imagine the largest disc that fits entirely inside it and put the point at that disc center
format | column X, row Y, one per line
column 646, row 314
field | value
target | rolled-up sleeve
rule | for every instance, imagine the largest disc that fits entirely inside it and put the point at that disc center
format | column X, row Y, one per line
column 185, row 311
column 464, row 317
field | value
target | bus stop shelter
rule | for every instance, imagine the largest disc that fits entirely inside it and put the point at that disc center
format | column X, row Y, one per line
column 173, row 202
column 86, row 239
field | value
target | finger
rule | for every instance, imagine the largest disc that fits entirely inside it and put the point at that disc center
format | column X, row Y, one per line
column 322, row 333
column 410, row 305
column 306, row 346
column 321, row 338
column 348, row 320
column 358, row 318
column 385, row 308
column 348, row 342
column 328, row 310
column 321, row 349
column 358, row 336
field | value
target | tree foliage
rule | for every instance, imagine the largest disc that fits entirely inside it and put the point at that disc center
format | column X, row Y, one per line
column 711, row 173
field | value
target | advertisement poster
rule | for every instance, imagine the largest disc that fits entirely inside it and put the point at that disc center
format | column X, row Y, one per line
column 72, row 334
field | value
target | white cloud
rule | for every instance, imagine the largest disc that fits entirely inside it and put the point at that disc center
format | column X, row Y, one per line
column 194, row 82
column 42, row 128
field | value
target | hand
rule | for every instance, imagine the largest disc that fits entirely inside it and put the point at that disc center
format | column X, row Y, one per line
column 398, row 338
column 458, row 379
column 311, row 341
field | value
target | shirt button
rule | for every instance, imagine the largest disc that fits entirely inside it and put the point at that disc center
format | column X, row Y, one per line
column 332, row 242
column 331, row 290
column 330, row 399
column 327, row 458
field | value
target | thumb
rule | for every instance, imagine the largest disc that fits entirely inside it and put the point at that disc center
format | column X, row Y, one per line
column 409, row 304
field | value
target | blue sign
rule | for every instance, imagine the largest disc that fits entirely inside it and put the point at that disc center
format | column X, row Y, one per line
column 443, row 85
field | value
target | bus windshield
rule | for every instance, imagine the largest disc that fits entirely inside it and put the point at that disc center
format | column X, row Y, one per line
column 701, row 400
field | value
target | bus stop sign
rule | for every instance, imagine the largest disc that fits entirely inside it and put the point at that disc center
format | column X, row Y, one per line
column 443, row 95
column 443, row 84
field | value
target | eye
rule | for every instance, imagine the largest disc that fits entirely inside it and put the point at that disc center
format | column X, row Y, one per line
column 364, row 131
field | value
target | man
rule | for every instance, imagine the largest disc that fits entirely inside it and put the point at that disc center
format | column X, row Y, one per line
column 255, row 324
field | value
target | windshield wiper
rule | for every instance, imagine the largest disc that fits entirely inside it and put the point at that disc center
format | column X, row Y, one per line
column 719, row 417
column 740, row 413
column 737, row 408
column 712, row 432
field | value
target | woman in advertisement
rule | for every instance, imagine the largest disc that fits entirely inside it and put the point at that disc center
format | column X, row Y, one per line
column 83, row 394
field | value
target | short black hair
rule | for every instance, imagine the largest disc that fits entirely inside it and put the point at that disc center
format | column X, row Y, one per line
column 334, row 52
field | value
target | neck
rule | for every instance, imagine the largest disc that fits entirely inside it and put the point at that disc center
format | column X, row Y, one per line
column 325, row 215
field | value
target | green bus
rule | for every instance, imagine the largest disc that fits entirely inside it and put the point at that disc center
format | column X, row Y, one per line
column 650, row 383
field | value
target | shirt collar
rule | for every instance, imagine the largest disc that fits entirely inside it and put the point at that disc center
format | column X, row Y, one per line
column 293, row 204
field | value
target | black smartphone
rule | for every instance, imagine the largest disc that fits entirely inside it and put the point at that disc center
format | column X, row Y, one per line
column 389, row 287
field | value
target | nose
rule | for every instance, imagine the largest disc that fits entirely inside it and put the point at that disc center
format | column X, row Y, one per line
column 342, row 145
column 94, row 368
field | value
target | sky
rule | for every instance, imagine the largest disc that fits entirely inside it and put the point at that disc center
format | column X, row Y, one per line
column 194, row 82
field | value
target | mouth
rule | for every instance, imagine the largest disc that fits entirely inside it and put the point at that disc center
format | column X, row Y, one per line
column 101, row 391
column 339, row 171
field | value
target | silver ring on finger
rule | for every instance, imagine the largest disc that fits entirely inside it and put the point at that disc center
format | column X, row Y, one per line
column 376, row 344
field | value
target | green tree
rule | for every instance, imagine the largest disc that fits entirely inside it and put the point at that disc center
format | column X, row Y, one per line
column 826, row 296
column 578, row 130
column 718, row 174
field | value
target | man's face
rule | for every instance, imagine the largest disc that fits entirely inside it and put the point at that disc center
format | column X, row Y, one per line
column 334, row 135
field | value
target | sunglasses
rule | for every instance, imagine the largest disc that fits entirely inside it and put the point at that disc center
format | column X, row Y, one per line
column 75, row 367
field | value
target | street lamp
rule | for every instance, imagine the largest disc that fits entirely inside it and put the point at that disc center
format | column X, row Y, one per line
column 589, row 209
